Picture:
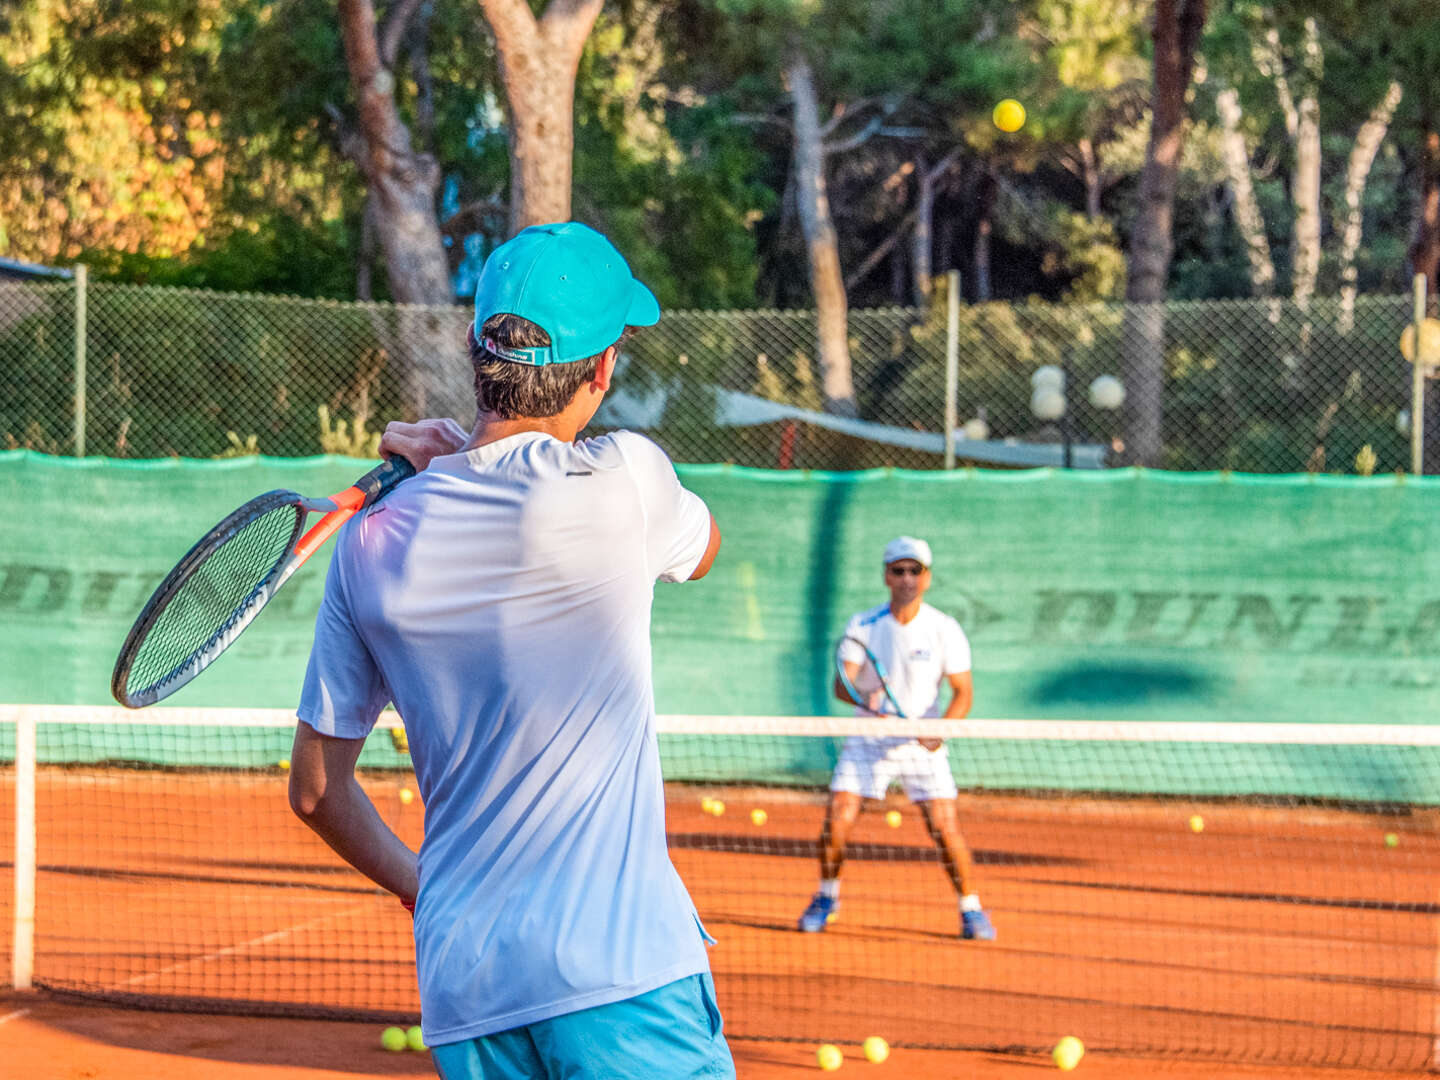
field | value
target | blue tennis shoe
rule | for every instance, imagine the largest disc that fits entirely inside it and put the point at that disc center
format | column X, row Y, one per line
column 821, row 910
column 974, row 926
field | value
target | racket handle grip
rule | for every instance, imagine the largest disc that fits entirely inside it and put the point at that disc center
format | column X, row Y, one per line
column 376, row 484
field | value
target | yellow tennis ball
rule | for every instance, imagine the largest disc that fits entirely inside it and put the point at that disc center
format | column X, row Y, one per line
column 393, row 1039
column 414, row 1039
column 1392, row 839
column 829, row 1057
column 284, row 764
column 876, row 1049
column 892, row 818
column 1009, row 115
column 1197, row 823
column 406, row 796
column 1068, row 1052
column 717, row 807
column 758, row 816
column 707, row 805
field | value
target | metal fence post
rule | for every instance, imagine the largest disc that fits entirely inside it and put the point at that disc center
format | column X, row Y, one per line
column 952, row 363
column 1417, row 384
column 82, row 281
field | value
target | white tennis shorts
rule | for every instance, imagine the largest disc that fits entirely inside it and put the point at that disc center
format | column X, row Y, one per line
column 869, row 766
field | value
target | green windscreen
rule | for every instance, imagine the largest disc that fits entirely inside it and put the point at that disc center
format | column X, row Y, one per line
column 1122, row 595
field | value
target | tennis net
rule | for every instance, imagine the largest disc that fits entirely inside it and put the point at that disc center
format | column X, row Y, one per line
column 1249, row 892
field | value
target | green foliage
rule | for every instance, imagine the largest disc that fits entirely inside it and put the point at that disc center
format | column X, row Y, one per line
column 347, row 439
column 246, row 447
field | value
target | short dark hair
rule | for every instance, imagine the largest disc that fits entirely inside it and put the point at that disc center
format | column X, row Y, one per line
column 511, row 390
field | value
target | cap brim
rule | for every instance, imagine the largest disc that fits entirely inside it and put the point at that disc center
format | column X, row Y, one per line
column 644, row 308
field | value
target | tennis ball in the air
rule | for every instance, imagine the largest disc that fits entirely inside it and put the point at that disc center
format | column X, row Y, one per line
column 892, row 818
column 414, row 1039
column 284, row 764
column 707, row 805
column 1068, row 1052
column 393, row 1039
column 717, row 807
column 876, row 1049
column 406, row 796
column 829, row 1057
column 1392, row 840
column 1197, row 823
column 1009, row 115
column 758, row 816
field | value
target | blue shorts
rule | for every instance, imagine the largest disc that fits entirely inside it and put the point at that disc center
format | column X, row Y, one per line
column 671, row 1033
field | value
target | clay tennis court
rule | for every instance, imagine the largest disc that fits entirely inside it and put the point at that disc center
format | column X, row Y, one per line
column 1276, row 936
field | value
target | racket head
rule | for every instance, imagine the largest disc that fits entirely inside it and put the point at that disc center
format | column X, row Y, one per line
column 211, row 595
column 875, row 664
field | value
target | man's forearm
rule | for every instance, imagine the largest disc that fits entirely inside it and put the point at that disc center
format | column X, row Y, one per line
column 347, row 820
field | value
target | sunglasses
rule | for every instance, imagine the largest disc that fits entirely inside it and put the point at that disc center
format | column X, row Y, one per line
column 901, row 571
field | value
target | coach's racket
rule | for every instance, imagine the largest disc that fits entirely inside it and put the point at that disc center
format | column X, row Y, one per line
column 879, row 668
column 219, row 587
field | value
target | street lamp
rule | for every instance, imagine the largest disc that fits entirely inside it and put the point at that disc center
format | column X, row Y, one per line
column 1050, row 398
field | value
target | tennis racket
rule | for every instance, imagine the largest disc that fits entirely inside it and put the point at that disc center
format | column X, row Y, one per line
column 879, row 669
column 225, row 580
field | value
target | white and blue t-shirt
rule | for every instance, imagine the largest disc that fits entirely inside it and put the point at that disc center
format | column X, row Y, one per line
column 917, row 656
column 501, row 599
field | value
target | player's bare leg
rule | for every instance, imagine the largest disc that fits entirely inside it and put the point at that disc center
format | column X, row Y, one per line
column 840, row 816
column 942, row 821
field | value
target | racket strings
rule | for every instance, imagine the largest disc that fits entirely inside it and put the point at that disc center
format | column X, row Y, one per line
column 214, row 597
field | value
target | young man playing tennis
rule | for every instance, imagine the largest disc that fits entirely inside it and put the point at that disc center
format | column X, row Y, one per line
column 919, row 648
column 501, row 599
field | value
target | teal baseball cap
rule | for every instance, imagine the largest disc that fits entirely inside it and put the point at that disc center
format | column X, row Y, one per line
column 568, row 280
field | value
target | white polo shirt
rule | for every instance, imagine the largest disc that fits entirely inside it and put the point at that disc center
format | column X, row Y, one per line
column 502, row 600
column 917, row 656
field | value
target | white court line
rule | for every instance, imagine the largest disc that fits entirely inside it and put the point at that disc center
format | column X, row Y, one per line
column 231, row 950
column 16, row 1015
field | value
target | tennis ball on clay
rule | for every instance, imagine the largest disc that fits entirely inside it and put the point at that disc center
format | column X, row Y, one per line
column 829, row 1057
column 284, row 764
column 393, row 1039
column 414, row 1039
column 876, row 1049
column 1068, row 1052
column 707, row 805
column 1392, row 840
column 717, row 807
column 892, row 818
column 1197, row 823
column 406, row 796
column 1009, row 115
column 758, row 816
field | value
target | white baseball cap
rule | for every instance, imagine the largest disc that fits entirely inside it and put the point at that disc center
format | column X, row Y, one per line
column 907, row 547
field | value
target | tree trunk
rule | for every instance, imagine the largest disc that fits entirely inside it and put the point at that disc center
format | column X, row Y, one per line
column 1248, row 218
column 1090, row 174
column 538, row 62
column 401, row 186
column 1176, row 33
column 1425, row 249
column 921, row 238
column 1306, row 193
column 1357, row 172
column 980, row 262
column 812, row 203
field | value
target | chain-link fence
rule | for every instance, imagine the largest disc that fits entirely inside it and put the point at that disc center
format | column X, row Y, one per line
column 1258, row 386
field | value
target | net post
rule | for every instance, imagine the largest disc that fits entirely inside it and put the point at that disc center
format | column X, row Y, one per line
column 1417, row 384
column 23, row 953
column 82, row 282
column 952, row 362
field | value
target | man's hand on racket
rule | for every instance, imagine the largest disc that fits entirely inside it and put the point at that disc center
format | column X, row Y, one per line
column 419, row 443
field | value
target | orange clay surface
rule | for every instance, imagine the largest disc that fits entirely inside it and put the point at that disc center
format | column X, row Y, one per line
column 1275, row 942
column 48, row 1040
